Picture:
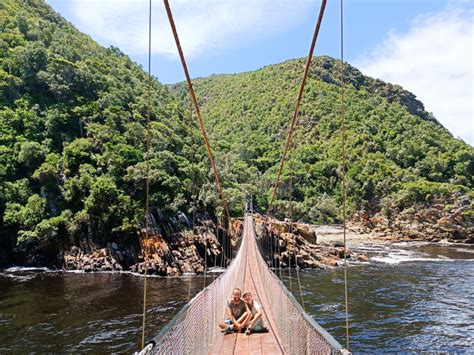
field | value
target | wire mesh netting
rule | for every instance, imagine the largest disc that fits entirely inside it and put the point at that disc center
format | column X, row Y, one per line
column 194, row 329
column 298, row 332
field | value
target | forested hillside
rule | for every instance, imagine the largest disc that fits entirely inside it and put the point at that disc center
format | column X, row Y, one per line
column 72, row 136
column 398, row 155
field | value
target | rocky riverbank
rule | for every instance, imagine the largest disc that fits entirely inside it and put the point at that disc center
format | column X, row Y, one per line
column 104, row 259
column 168, row 251
column 188, row 251
column 290, row 244
column 174, row 248
column 448, row 219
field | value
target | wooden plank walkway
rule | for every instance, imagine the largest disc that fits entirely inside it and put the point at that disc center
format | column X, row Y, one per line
column 238, row 343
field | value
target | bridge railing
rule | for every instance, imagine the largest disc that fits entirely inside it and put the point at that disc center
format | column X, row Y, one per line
column 299, row 333
column 194, row 329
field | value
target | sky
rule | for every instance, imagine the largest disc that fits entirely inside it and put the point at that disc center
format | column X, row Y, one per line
column 426, row 46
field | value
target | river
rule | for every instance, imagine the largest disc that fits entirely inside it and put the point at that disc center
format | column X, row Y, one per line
column 407, row 298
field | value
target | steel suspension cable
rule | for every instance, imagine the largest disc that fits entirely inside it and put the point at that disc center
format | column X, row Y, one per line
column 196, row 107
column 189, row 288
column 344, row 189
column 272, row 252
column 292, row 228
column 298, row 101
column 229, row 243
column 147, row 193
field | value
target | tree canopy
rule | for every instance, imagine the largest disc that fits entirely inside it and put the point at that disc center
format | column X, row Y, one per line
column 72, row 134
column 393, row 146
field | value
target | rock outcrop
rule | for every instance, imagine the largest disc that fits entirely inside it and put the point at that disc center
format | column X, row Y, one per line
column 289, row 244
column 172, row 249
column 443, row 220
column 189, row 255
column 99, row 260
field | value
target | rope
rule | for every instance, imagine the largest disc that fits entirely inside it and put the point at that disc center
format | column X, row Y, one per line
column 147, row 198
column 189, row 288
column 290, row 209
column 193, row 171
column 205, row 264
column 289, row 271
column 292, row 229
column 299, row 282
column 298, row 101
column 344, row 192
column 196, row 107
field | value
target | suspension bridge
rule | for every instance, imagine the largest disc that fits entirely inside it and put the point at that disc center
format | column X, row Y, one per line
column 291, row 330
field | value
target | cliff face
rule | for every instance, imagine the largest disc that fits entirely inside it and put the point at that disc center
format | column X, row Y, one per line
column 171, row 250
column 285, row 244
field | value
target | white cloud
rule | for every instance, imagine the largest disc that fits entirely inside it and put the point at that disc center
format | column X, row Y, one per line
column 434, row 60
column 204, row 26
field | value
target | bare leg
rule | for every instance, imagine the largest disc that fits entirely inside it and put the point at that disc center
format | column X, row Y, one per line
column 240, row 322
column 256, row 318
column 247, row 320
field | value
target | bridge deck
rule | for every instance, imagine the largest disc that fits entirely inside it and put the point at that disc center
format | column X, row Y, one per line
column 264, row 343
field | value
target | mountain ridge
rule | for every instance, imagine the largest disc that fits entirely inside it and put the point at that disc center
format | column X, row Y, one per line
column 328, row 70
column 394, row 145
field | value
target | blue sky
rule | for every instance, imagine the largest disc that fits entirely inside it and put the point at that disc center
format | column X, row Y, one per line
column 424, row 45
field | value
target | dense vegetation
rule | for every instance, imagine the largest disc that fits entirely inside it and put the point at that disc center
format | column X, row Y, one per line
column 397, row 153
column 72, row 135
column 73, row 126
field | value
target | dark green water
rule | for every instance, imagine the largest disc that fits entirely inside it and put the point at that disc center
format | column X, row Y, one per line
column 409, row 298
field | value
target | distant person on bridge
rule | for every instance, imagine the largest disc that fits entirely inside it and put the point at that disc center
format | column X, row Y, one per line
column 254, row 322
column 237, row 313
